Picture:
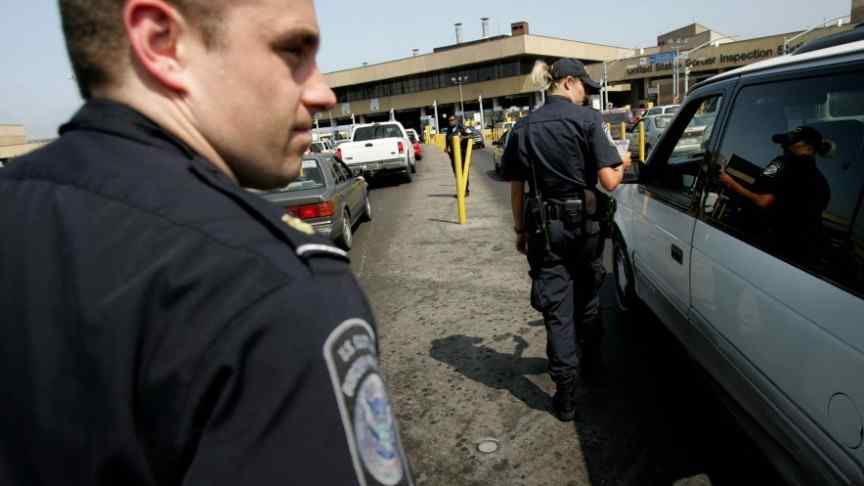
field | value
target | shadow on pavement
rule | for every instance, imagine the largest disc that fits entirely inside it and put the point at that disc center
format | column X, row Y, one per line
column 656, row 421
column 496, row 370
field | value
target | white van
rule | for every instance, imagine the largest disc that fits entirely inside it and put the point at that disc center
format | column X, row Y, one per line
column 754, row 259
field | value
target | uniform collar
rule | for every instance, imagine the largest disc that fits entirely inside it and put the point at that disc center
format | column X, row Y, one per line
column 554, row 99
column 121, row 120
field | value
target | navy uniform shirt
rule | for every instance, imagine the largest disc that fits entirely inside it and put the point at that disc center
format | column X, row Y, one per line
column 802, row 194
column 568, row 145
column 161, row 326
column 454, row 131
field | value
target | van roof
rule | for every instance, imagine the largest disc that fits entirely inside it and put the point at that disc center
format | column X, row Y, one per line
column 792, row 59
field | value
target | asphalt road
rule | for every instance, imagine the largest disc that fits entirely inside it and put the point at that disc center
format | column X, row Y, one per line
column 464, row 357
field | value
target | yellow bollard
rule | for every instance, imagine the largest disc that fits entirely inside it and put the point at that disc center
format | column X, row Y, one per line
column 642, row 153
column 463, row 185
column 623, row 130
column 460, row 194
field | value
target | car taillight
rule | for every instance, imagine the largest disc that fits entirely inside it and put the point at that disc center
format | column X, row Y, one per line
column 313, row 211
column 401, row 148
column 339, row 154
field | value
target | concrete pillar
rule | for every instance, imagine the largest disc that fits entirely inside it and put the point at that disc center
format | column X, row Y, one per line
column 857, row 11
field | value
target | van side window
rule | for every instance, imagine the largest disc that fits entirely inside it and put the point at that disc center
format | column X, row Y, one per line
column 791, row 175
column 675, row 167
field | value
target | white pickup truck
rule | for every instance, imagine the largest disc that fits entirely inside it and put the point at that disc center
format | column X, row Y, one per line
column 379, row 148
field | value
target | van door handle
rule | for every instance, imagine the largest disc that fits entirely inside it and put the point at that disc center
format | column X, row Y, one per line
column 677, row 254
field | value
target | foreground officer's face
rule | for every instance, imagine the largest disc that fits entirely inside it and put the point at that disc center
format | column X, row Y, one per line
column 257, row 90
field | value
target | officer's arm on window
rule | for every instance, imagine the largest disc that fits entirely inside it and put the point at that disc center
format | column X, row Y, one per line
column 514, row 169
column 514, row 163
column 610, row 167
column 762, row 200
column 762, row 194
column 276, row 399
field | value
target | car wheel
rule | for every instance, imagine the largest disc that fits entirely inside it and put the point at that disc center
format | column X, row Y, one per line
column 346, row 236
column 625, row 285
column 367, row 211
column 406, row 176
column 414, row 168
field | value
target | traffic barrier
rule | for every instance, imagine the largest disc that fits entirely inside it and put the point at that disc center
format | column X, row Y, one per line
column 462, row 173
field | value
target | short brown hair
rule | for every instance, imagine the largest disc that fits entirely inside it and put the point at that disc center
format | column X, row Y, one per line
column 96, row 37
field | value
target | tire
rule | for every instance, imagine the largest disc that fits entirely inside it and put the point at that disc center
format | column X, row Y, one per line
column 346, row 236
column 414, row 168
column 406, row 176
column 367, row 211
column 625, row 285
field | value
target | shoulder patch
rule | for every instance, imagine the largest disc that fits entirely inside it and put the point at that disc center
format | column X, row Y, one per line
column 370, row 426
column 313, row 248
column 298, row 225
column 773, row 169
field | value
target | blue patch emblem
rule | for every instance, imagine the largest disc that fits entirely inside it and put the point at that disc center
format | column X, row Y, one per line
column 375, row 430
column 370, row 427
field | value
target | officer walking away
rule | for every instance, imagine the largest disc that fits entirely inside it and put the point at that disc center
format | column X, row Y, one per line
column 456, row 129
column 562, row 152
column 161, row 325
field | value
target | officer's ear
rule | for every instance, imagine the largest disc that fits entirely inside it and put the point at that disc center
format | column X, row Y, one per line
column 154, row 29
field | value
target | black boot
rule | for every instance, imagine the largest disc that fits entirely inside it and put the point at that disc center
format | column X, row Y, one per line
column 565, row 401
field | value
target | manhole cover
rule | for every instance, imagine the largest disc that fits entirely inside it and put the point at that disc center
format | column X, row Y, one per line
column 488, row 446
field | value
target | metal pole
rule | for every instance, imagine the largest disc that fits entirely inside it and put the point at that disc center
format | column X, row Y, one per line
column 482, row 117
column 461, row 101
column 604, row 88
column 675, row 75
column 686, row 73
column 437, row 129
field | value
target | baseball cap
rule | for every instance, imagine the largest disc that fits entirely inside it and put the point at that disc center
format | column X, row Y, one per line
column 573, row 67
column 808, row 135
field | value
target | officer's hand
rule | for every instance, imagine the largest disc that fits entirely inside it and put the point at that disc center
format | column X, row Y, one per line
column 627, row 160
column 726, row 179
column 522, row 243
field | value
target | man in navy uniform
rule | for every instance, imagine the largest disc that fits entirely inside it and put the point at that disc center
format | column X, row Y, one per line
column 161, row 325
column 456, row 129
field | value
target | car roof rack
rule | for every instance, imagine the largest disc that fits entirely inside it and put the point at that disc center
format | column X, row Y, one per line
column 854, row 35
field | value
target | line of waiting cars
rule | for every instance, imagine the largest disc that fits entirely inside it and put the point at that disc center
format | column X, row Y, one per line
column 332, row 192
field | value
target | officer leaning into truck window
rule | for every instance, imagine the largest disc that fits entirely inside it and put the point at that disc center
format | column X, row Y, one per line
column 561, row 152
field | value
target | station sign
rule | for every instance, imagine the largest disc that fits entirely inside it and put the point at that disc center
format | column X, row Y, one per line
column 661, row 58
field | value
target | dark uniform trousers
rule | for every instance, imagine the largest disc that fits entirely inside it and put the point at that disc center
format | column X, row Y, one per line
column 566, row 281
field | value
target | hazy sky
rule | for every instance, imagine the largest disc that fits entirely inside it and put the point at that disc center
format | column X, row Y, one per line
column 36, row 87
